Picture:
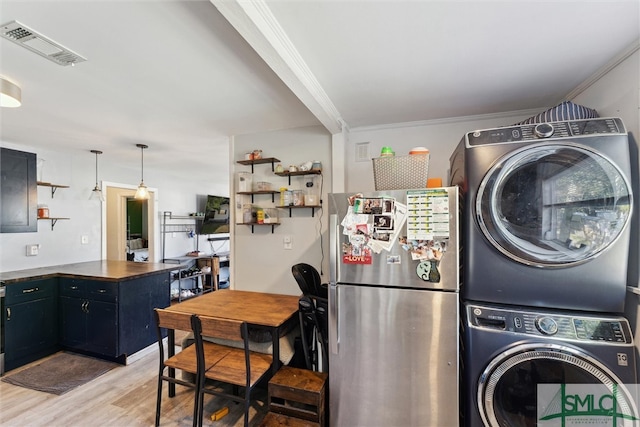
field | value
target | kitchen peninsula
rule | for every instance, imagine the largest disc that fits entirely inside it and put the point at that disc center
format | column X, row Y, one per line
column 100, row 308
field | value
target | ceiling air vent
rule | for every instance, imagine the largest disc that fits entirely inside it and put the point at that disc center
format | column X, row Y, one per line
column 36, row 42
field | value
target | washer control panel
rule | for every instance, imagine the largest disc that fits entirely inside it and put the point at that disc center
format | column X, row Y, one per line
column 551, row 324
column 534, row 132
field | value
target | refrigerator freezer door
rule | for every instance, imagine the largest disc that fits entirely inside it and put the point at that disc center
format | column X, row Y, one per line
column 403, row 265
column 393, row 357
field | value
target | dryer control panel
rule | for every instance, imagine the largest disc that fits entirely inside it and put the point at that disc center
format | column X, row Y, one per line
column 539, row 131
column 565, row 327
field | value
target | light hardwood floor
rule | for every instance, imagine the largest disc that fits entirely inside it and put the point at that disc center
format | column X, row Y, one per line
column 124, row 396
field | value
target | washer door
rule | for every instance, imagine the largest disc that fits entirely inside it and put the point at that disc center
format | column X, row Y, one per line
column 508, row 388
column 553, row 205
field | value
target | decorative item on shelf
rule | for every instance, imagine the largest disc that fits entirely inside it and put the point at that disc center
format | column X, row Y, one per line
column 262, row 186
column 286, row 197
column 10, row 94
column 293, row 168
column 298, row 198
column 43, row 211
column 257, row 155
column 270, row 216
column 306, row 166
column 248, row 155
column 96, row 193
column 279, row 168
column 316, row 165
column 247, row 214
column 143, row 192
column 245, row 180
column 311, row 200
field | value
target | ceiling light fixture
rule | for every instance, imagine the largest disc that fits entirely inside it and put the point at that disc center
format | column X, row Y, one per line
column 142, row 193
column 96, row 194
column 10, row 94
column 39, row 44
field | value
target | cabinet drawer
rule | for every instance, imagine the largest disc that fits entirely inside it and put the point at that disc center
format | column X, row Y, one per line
column 102, row 291
column 89, row 289
column 28, row 291
column 72, row 287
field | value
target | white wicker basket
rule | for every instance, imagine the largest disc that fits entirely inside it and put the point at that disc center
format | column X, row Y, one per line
column 400, row 172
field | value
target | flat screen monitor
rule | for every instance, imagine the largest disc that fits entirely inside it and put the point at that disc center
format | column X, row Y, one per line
column 216, row 217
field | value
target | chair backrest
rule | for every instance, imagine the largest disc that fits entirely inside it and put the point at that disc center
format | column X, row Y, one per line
column 227, row 329
column 309, row 280
column 216, row 327
column 171, row 320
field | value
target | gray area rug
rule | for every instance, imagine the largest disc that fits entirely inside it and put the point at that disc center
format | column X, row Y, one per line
column 60, row 373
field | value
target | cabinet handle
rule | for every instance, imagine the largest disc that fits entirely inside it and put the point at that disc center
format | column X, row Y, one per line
column 28, row 291
column 102, row 291
column 8, row 313
column 73, row 288
column 86, row 306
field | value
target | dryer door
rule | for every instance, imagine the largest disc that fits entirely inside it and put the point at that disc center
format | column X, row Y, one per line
column 553, row 385
column 553, row 205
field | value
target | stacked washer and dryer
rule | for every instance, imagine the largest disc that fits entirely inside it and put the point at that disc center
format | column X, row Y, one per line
column 546, row 220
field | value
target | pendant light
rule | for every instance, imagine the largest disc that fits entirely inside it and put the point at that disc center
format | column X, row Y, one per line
column 10, row 94
column 142, row 193
column 96, row 194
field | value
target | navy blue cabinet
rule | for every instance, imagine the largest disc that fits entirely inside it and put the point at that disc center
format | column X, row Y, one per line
column 107, row 319
column 18, row 192
column 89, row 316
column 30, row 319
column 111, row 319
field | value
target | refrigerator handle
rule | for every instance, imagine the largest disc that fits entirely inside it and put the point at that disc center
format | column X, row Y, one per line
column 334, row 338
column 334, row 242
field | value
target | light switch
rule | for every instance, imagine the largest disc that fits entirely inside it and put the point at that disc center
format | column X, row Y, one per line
column 85, row 240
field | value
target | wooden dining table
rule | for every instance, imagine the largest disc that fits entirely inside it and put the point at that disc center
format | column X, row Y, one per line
column 259, row 309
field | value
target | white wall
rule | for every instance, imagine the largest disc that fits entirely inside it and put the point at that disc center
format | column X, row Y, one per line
column 76, row 169
column 617, row 94
column 259, row 260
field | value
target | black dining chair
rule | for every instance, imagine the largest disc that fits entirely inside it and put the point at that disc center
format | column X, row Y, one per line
column 313, row 312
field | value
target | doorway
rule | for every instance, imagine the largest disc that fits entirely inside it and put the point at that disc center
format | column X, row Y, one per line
column 116, row 231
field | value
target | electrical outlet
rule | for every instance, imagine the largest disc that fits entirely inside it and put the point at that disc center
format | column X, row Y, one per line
column 85, row 240
column 32, row 250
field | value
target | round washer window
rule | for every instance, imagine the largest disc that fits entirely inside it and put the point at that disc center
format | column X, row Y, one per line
column 508, row 388
column 553, row 205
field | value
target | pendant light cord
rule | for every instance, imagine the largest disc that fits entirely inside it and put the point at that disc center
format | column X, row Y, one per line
column 142, row 147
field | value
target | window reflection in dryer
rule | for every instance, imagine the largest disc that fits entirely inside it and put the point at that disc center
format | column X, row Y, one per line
column 553, row 205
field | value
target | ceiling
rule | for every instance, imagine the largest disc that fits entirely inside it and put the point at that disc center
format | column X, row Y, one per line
column 183, row 75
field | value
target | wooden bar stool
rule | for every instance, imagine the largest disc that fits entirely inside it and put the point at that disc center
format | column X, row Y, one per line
column 299, row 393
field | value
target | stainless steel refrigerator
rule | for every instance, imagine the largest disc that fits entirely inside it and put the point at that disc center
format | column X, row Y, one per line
column 393, row 308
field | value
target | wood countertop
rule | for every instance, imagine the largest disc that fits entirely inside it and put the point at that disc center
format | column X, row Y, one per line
column 97, row 270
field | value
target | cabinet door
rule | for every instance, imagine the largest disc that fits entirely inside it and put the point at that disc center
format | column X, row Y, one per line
column 138, row 299
column 102, row 328
column 18, row 192
column 30, row 331
column 73, row 322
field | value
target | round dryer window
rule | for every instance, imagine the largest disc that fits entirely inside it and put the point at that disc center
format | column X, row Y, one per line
column 553, row 384
column 553, row 205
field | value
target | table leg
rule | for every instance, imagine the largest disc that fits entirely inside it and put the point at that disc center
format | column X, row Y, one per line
column 171, row 351
column 275, row 337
